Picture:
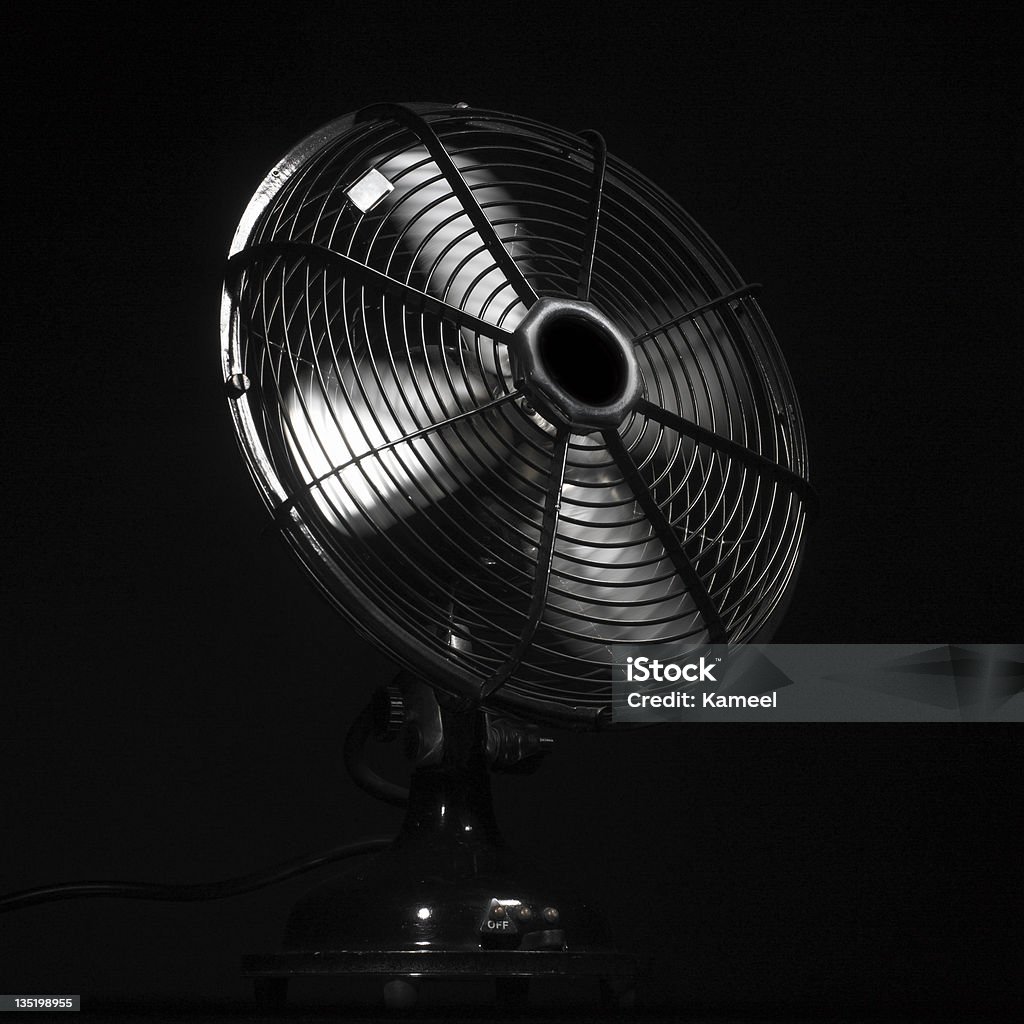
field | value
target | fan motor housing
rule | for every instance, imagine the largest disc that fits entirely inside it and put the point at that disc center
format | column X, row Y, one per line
column 575, row 365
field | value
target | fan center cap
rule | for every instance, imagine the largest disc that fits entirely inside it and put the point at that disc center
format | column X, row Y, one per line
column 575, row 366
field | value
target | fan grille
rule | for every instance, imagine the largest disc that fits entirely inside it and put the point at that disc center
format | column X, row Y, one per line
column 494, row 552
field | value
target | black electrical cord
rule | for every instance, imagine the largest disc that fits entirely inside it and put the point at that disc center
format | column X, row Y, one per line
column 188, row 893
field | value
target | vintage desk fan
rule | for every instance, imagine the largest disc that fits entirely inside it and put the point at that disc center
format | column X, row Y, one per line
column 509, row 406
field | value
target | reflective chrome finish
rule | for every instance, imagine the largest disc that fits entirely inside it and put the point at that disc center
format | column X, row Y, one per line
column 406, row 424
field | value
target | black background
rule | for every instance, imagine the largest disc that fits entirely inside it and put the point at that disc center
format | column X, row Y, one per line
column 174, row 693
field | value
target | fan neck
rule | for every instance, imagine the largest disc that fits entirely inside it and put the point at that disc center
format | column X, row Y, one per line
column 453, row 798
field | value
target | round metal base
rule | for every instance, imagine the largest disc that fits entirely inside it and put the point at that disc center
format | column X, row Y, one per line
column 447, row 900
column 427, row 892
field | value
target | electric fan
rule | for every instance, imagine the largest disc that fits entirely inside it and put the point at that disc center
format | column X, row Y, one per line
column 510, row 407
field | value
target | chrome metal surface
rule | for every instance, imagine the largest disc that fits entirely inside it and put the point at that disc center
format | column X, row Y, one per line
column 575, row 366
column 417, row 480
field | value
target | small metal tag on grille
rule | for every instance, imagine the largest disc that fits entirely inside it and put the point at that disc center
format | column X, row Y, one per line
column 369, row 190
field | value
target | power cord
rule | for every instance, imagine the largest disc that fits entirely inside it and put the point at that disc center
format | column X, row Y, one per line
column 188, row 893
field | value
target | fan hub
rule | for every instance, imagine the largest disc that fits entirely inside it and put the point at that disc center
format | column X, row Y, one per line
column 575, row 366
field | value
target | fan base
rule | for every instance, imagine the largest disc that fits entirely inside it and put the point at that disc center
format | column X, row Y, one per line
column 401, row 972
column 447, row 899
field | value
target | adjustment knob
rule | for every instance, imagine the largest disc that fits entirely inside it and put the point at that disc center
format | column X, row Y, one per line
column 388, row 712
column 514, row 746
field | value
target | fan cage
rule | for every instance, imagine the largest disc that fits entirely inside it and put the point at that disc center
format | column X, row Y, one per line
column 490, row 551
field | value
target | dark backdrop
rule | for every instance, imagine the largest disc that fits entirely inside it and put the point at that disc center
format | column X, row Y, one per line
column 174, row 693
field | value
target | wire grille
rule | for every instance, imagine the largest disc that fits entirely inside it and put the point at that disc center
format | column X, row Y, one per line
column 493, row 552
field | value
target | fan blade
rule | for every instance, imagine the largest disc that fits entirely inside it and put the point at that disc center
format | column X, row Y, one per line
column 370, row 446
column 362, row 443
column 449, row 258
column 605, row 555
column 613, row 582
